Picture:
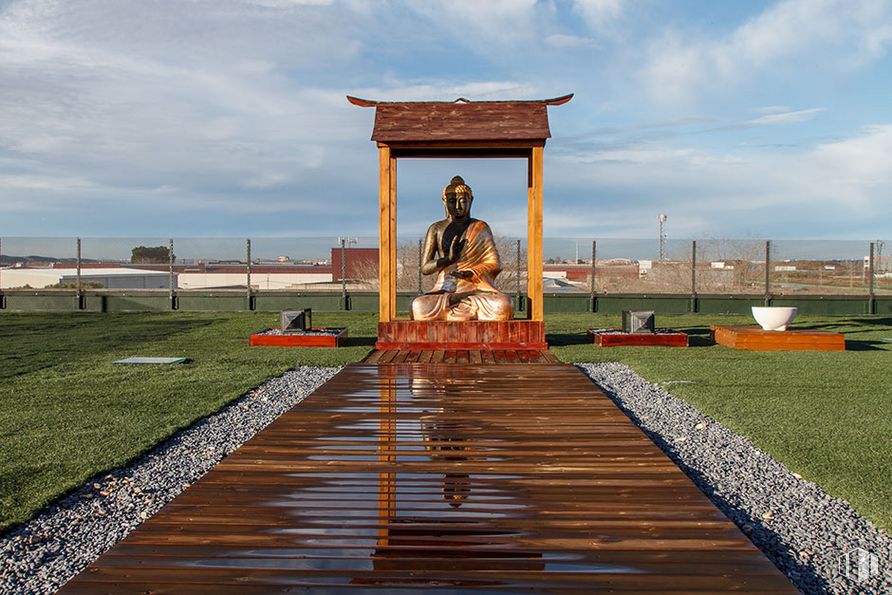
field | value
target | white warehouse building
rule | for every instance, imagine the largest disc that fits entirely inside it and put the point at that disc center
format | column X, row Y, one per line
column 111, row 278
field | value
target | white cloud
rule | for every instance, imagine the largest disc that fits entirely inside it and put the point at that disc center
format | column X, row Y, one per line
column 111, row 102
column 268, row 180
column 285, row 4
column 786, row 117
column 230, row 114
column 35, row 182
column 562, row 40
column 441, row 90
column 770, row 109
column 476, row 21
column 837, row 34
column 250, row 127
column 600, row 15
column 858, row 170
column 714, row 193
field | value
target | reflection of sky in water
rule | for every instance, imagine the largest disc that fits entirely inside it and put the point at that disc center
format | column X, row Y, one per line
column 401, row 458
column 289, row 563
column 377, row 409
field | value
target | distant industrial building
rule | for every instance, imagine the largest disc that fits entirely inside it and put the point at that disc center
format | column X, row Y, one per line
column 360, row 263
column 108, row 277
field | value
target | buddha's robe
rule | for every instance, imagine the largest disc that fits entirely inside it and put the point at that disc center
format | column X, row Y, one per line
column 479, row 299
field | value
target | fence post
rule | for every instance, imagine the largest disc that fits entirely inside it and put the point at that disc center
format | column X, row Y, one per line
column 767, row 272
column 2, row 295
column 420, row 262
column 594, row 288
column 248, row 272
column 171, row 286
column 871, row 288
column 80, row 303
column 694, row 307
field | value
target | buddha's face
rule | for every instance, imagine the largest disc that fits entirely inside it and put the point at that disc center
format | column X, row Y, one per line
column 458, row 204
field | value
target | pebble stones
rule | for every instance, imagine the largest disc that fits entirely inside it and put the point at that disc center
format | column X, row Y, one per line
column 309, row 332
column 806, row 533
column 44, row 553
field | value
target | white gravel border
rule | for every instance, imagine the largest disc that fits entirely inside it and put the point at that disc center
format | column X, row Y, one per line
column 47, row 551
column 806, row 533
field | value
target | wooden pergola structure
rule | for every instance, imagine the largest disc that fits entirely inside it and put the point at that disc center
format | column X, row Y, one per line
column 459, row 129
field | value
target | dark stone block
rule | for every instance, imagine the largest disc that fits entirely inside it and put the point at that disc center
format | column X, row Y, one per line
column 639, row 321
column 295, row 321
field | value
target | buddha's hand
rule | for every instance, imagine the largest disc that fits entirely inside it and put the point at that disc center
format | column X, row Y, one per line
column 452, row 255
column 455, row 249
column 462, row 274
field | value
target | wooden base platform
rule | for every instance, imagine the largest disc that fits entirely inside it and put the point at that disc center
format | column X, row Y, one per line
column 456, row 478
column 474, row 334
column 299, row 340
column 615, row 338
column 753, row 338
column 461, row 356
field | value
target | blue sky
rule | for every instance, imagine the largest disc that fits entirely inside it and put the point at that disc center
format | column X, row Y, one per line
column 224, row 118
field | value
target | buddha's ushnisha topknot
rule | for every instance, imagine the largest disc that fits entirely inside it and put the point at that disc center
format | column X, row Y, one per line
column 457, row 184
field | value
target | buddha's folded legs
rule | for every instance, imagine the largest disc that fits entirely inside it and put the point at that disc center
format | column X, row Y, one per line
column 477, row 306
column 490, row 306
column 430, row 306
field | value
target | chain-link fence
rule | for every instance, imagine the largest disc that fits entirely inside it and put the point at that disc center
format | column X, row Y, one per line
column 350, row 264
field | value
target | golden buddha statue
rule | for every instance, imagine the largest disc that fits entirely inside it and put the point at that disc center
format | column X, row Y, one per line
column 462, row 252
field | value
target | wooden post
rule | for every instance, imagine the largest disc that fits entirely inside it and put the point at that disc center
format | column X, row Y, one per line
column 392, row 223
column 387, row 231
column 534, row 234
column 519, row 304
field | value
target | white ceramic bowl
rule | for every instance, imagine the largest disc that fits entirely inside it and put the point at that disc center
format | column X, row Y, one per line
column 774, row 318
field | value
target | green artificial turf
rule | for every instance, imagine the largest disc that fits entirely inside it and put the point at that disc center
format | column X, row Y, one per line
column 825, row 415
column 67, row 412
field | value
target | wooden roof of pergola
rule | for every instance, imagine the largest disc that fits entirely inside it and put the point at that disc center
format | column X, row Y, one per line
column 459, row 129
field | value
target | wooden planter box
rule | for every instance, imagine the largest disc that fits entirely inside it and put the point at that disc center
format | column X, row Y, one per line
column 662, row 338
column 753, row 338
column 299, row 340
column 473, row 334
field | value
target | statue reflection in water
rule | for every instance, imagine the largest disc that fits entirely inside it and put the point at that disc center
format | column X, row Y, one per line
column 444, row 444
column 421, row 545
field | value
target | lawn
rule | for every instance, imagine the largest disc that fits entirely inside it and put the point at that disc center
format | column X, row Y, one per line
column 825, row 415
column 66, row 412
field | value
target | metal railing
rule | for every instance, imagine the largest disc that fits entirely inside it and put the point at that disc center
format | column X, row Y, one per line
column 597, row 267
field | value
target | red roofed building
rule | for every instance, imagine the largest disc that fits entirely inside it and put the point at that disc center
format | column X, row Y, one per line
column 362, row 263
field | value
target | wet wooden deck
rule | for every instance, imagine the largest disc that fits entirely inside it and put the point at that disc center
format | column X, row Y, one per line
column 460, row 477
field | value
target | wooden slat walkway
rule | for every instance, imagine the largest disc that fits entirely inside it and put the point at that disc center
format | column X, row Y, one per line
column 462, row 477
